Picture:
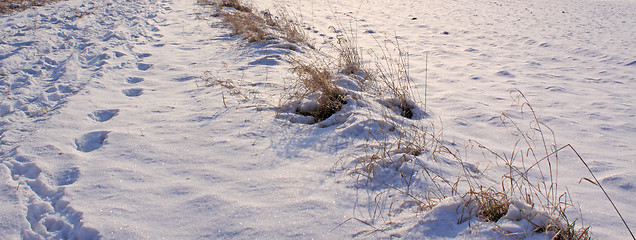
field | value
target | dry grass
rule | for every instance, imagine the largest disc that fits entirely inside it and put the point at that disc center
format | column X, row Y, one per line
column 387, row 151
column 241, row 19
column 236, row 4
column 392, row 73
column 531, row 176
column 259, row 26
column 8, row 6
column 314, row 78
column 532, row 166
column 350, row 59
column 287, row 25
column 492, row 204
column 247, row 24
column 389, row 77
column 210, row 80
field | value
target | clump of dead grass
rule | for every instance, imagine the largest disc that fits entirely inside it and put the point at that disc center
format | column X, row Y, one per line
column 389, row 78
column 393, row 155
column 247, row 24
column 234, row 4
column 259, row 26
column 240, row 18
column 492, row 204
column 313, row 89
column 314, row 78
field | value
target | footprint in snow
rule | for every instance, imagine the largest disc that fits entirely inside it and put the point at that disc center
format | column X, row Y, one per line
column 134, row 80
column 110, row 35
column 267, row 61
column 144, row 55
column 133, row 92
column 184, row 78
column 505, row 74
column 5, row 109
column 119, row 54
column 68, row 177
column 555, row 89
column 99, row 60
column 103, row 115
column 143, row 66
column 91, row 141
column 23, row 44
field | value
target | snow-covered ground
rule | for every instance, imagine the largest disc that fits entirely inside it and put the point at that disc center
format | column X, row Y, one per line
column 110, row 131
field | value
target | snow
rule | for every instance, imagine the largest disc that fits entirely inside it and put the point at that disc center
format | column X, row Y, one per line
column 148, row 119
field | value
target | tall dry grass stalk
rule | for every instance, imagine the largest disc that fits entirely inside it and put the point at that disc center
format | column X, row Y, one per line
column 287, row 25
column 349, row 54
column 530, row 181
column 532, row 175
column 392, row 73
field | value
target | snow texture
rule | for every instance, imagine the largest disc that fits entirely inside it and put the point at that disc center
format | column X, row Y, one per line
column 149, row 119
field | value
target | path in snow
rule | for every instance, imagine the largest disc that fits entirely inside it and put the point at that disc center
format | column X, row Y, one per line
column 50, row 56
column 140, row 151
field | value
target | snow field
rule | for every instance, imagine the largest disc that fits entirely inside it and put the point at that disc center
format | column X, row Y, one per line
column 392, row 161
column 148, row 119
column 557, row 53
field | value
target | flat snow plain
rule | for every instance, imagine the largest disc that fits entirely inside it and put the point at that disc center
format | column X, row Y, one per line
column 109, row 131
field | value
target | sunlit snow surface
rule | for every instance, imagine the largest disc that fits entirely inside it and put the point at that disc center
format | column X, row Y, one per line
column 109, row 131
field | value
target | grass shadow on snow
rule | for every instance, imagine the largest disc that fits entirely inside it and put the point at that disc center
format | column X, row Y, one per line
column 412, row 169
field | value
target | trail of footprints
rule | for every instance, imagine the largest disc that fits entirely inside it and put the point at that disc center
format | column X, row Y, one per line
column 48, row 214
column 41, row 191
column 91, row 141
column 136, row 92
